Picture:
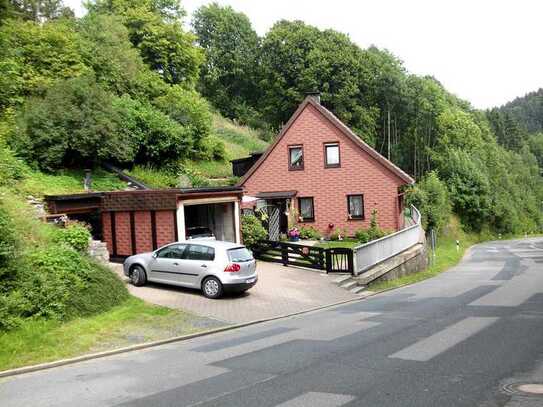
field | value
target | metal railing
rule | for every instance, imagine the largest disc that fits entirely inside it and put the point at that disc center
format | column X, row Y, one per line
column 370, row 254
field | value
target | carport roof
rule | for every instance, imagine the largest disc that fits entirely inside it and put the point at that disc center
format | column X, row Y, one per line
column 276, row 194
column 137, row 200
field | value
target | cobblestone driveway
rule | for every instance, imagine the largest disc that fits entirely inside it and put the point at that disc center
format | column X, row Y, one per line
column 280, row 290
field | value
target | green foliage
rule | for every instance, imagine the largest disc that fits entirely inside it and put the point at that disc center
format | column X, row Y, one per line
column 74, row 124
column 296, row 58
column 7, row 241
column 375, row 232
column 155, row 177
column 45, row 277
column 191, row 111
column 75, row 235
column 228, row 76
column 252, row 230
column 155, row 29
column 309, row 233
column 431, row 197
column 362, row 235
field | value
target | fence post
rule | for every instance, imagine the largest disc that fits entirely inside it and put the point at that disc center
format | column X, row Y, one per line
column 328, row 254
column 284, row 254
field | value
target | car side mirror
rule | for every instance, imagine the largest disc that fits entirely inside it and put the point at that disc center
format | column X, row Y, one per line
column 155, row 254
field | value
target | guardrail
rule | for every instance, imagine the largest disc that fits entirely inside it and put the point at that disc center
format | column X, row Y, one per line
column 370, row 254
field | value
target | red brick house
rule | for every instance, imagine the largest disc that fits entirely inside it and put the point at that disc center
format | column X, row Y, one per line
column 320, row 171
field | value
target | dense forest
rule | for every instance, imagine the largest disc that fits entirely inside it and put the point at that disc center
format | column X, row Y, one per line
column 127, row 83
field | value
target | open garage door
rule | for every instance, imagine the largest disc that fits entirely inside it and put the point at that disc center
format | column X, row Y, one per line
column 218, row 217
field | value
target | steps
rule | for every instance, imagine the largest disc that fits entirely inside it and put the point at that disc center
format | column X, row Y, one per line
column 357, row 284
column 349, row 283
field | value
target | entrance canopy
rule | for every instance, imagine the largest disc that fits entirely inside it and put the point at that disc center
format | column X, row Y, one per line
column 276, row 195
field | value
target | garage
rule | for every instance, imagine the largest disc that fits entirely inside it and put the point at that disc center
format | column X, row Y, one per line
column 138, row 221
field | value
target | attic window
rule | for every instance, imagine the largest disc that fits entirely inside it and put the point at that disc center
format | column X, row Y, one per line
column 295, row 158
column 331, row 155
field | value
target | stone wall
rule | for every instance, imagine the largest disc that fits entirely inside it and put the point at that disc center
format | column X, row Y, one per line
column 98, row 251
column 414, row 264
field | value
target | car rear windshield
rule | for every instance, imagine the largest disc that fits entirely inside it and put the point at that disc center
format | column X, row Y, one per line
column 240, row 254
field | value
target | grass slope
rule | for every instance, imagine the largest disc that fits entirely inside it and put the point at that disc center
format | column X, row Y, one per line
column 129, row 323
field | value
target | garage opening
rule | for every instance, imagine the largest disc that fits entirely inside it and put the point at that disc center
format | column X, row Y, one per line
column 218, row 218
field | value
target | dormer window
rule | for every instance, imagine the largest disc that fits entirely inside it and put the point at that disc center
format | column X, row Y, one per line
column 331, row 155
column 295, row 158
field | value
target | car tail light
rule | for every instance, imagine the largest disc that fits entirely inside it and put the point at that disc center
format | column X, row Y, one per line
column 232, row 268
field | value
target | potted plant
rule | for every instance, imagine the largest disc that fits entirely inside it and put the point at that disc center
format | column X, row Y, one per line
column 294, row 234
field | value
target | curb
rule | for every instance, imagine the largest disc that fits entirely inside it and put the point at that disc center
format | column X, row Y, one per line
column 146, row 345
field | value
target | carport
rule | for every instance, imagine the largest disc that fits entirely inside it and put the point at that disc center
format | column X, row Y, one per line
column 138, row 221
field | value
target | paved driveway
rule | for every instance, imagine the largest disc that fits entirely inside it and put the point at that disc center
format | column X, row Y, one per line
column 280, row 290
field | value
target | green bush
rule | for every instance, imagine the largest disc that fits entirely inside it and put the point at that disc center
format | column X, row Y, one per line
column 252, row 230
column 362, row 236
column 309, row 233
column 431, row 198
column 7, row 240
column 375, row 232
column 76, row 235
column 59, row 283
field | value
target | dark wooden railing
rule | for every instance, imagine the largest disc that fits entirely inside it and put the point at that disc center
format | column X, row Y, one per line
column 336, row 260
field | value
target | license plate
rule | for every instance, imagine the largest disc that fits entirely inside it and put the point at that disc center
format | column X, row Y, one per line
column 251, row 280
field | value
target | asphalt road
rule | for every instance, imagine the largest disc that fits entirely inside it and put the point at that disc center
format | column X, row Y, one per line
column 454, row 340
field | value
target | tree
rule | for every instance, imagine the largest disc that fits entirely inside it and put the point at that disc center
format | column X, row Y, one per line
column 296, row 58
column 228, row 76
column 431, row 197
column 155, row 28
column 73, row 124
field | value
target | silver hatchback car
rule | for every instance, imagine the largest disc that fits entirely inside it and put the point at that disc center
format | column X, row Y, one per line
column 214, row 267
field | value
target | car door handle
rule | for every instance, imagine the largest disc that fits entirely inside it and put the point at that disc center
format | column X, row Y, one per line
column 176, row 264
column 204, row 266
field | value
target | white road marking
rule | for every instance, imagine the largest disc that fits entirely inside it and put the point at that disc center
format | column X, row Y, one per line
column 316, row 399
column 442, row 341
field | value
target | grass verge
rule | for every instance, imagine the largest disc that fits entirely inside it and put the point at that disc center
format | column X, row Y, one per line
column 132, row 322
column 446, row 257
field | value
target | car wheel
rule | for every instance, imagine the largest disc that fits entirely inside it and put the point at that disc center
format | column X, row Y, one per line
column 212, row 287
column 138, row 276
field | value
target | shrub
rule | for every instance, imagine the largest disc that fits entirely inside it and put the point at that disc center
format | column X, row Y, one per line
column 59, row 283
column 309, row 233
column 252, row 230
column 76, row 235
column 7, row 240
column 374, row 232
column 362, row 236
column 431, row 197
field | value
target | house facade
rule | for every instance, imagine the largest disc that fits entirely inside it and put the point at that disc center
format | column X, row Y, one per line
column 320, row 174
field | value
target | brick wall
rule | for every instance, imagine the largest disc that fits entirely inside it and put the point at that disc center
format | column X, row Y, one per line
column 359, row 174
column 123, row 233
column 143, row 233
column 106, row 230
column 144, row 237
column 165, row 231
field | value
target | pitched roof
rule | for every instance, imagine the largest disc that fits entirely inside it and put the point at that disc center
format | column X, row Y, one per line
column 341, row 127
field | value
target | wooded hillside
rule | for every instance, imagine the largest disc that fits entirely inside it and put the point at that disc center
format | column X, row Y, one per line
column 129, row 85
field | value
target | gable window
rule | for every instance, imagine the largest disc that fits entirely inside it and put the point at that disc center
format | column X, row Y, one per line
column 355, row 206
column 331, row 155
column 307, row 209
column 295, row 158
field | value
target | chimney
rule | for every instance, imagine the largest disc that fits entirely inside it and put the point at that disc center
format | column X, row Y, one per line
column 315, row 95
